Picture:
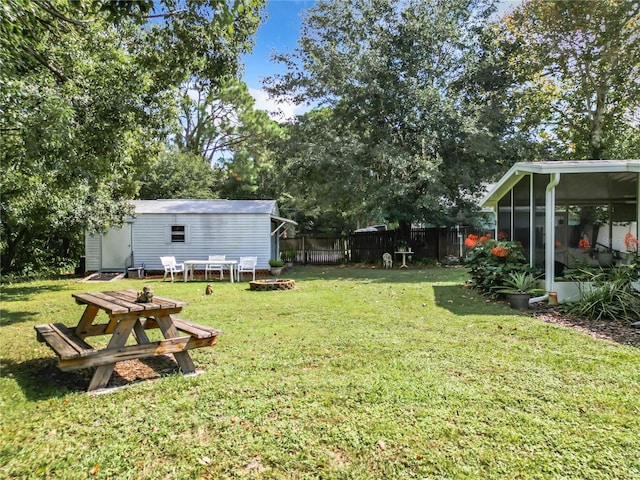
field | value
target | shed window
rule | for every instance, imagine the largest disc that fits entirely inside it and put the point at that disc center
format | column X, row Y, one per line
column 178, row 234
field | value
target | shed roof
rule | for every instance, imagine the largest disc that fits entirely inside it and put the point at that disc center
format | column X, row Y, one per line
column 519, row 170
column 269, row 207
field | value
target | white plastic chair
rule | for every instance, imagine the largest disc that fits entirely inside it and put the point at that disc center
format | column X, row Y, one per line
column 247, row 264
column 171, row 266
column 214, row 268
column 387, row 260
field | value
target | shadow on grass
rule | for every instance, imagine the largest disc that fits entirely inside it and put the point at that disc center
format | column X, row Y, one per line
column 40, row 378
column 21, row 293
column 375, row 274
column 461, row 300
column 12, row 318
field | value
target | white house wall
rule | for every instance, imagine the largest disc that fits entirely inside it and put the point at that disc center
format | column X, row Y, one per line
column 233, row 235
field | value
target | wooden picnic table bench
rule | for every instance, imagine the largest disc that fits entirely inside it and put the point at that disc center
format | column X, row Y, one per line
column 125, row 316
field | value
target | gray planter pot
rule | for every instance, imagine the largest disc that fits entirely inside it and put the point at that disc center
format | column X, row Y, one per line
column 605, row 259
column 519, row 301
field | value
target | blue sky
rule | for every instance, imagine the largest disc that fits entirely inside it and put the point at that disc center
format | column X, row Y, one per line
column 279, row 32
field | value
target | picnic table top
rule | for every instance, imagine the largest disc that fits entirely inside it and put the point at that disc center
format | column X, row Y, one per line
column 124, row 301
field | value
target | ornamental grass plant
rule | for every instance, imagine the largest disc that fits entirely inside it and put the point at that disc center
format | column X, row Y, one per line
column 358, row 373
column 607, row 294
column 520, row 282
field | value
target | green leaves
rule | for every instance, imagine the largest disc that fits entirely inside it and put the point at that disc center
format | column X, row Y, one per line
column 578, row 70
column 199, row 38
column 87, row 97
column 387, row 72
column 177, row 175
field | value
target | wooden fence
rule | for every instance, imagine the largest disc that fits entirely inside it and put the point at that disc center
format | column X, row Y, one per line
column 427, row 244
column 315, row 250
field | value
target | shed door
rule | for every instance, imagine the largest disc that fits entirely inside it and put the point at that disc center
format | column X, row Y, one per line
column 116, row 248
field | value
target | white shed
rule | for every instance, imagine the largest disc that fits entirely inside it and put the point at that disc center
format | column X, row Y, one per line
column 188, row 230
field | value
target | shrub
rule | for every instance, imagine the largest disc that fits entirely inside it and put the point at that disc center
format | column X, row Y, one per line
column 490, row 262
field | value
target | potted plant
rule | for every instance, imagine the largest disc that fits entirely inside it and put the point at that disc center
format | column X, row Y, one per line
column 402, row 246
column 519, row 286
column 605, row 257
column 276, row 266
column 289, row 257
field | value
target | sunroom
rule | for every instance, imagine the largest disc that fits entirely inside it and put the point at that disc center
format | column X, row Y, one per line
column 585, row 210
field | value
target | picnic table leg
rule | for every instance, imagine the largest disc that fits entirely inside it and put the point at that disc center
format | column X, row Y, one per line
column 140, row 333
column 119, row 339
column 169, row 330
column 86, row 320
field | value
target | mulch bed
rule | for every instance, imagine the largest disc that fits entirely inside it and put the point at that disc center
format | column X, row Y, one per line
column 613, row 331
column 125, row 373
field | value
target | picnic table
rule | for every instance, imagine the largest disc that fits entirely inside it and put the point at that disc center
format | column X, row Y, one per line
column 125, row 315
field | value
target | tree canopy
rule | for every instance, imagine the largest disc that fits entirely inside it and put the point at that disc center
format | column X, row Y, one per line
column 87, row 92
column 415, row 105
column 399, row 139
column 425, row 100
column 578, row 65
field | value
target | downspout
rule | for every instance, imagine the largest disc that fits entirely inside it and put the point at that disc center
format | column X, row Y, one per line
column 550, row 233
column 494, row 207
column 512, row 216
column 532, row 221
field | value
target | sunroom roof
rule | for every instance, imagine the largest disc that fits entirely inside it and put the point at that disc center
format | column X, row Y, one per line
column 616, row 170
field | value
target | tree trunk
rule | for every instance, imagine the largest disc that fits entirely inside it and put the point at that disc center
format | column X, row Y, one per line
column 404, row 230
column 8, row 259
column 597, row 123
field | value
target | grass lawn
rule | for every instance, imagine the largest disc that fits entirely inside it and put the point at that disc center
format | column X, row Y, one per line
column 356, row 374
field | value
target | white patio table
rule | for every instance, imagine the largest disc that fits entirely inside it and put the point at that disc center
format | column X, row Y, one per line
column 189, row 267
column 404, row 254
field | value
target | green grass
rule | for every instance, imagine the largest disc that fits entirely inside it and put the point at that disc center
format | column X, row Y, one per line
column 355, row 374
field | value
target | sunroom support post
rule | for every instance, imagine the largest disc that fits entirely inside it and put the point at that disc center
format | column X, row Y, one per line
column 638, row 208
column 550, row 230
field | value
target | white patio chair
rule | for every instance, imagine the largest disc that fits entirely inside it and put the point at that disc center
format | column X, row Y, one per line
column 214, row 268
column 247, row 264
column 171, row 266
column 387, row 260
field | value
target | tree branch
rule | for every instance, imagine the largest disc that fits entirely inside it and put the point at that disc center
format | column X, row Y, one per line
column 172, row 13
column 51, row 10
column 43, row 61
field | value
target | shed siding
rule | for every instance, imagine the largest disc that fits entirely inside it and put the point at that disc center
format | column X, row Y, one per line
column 233, row 235
column 93, row 252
